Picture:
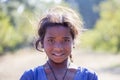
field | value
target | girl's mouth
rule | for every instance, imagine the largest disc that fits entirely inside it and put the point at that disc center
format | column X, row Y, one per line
column 58, row 54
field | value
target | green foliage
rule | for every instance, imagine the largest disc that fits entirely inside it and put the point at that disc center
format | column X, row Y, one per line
column 106, row 34
column 18, row 19
column 8, row 35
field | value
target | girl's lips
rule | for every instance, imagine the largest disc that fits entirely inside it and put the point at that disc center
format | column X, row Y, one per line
column 58, row 54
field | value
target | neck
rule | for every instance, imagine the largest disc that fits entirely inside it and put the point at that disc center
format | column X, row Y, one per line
column 59, row 66
column 58, row 69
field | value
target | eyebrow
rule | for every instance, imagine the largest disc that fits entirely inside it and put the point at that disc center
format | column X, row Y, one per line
column 66, row 37
column 50, row 37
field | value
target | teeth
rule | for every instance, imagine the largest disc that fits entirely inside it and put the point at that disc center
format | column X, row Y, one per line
column 58, row 54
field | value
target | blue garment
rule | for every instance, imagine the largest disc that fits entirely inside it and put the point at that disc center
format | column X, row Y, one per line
column 39, row 74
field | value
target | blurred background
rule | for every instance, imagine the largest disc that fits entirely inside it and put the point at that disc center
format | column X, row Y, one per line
column 98, row 48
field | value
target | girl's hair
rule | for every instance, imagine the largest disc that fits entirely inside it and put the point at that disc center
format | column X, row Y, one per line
column 58, row 16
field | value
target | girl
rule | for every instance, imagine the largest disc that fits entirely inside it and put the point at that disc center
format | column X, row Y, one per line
column 58, row 29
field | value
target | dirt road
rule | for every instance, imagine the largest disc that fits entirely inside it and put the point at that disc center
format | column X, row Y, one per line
column 12, row 66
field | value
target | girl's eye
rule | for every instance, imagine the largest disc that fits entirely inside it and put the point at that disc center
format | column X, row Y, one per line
column 50, row 40
column 67, row 40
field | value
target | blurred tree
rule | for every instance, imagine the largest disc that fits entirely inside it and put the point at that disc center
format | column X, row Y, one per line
column 18, row 19
column 8, row 36
column 106, row 34
column 89, row 9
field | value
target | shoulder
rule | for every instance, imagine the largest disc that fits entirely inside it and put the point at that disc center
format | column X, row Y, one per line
column 31, row 74
column 85, row 74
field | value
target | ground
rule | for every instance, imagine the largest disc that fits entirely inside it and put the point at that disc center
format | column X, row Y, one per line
column 107, row 66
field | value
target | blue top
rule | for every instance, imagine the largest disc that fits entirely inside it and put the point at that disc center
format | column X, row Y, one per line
column 39, row 74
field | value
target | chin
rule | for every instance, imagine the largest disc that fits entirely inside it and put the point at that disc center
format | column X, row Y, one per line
column 59, row 61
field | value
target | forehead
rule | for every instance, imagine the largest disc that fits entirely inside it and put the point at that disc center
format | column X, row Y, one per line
column 59, row 31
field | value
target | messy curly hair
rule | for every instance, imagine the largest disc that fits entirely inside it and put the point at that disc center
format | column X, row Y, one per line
column 56, row 16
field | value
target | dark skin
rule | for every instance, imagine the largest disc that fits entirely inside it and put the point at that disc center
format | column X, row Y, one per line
column 59, row 72
column 58, row 45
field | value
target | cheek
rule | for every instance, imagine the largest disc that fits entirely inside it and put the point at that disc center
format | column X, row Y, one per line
column 68, row 47
column 47, row 47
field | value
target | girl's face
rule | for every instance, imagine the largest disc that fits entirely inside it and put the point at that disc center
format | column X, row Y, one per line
column 58, row 43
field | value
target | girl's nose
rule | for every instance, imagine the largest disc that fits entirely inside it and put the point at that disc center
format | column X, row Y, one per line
column 58, row 46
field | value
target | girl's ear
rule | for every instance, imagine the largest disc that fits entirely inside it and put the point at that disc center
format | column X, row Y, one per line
column 73, row 44
column 42, row 45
